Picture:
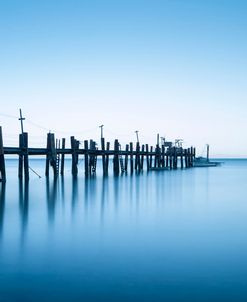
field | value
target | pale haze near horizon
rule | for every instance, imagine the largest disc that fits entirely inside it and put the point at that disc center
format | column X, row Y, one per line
column 177, row 68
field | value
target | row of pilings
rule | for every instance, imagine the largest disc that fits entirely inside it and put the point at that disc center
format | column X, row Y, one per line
column 133, row 157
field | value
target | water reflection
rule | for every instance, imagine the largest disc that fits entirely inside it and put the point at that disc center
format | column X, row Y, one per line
column 23, row 206
column 89, row 191
column 51, row 198
column 2, row 206
column 104, row 197
column 74, row 190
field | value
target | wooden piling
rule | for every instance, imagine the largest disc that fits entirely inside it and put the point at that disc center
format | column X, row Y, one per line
column 20, row 165
column 103, row 155
column 116, row 158
column 147, row 158
column 163, row 156
column 86, row 164
column 25, row 149
column 181, row 159
column 131, row 158
column 137, row 157
column 192, row 156
column 90, row 156
column 94, row 157
column 186, row 158
column 167, row 159
column 23, row 156
column 151, row 157
column 142, row 157
column 107, row 157
column 126, row 158
column 62, row 157
column 51, row 155
column 170, row 157
column 74, row 147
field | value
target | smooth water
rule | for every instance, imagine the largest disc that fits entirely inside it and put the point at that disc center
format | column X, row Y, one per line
column 161, row 236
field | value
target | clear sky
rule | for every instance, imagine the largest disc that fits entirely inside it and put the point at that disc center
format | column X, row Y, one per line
column 177, row 67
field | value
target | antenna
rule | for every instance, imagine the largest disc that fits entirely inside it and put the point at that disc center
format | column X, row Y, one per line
column 21, row 119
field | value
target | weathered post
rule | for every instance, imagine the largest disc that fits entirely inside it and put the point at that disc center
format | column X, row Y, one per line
column 163, row 156
column 137, row 156
column 23, row 156
column 147, row 158
column 51, row 155
column 107, row 156
column 90, row 156
column 192, row 156
column 151, row 156
column 131, row 158
column 116, row 158
column 175, row 157
column 20, row 168
column 94, row 157
column 25, row 151
column 126, row 158
column 186, row 158
column 103, row 155
column 62, row 157
column 166, row 158
column 170, row 157
column 142, row 157
column 181, row 158
column 86, row 158
column 74, row 147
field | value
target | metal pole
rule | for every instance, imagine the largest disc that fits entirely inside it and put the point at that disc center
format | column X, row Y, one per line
column 137, row 137
column 21, row 119
column 101, row 130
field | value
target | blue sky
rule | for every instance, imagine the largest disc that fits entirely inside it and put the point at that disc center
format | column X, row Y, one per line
column 177, row 67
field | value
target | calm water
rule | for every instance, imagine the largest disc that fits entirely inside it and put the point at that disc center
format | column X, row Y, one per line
column 162, row 236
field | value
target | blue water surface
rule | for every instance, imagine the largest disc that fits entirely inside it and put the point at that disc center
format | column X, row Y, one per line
column 158, row 236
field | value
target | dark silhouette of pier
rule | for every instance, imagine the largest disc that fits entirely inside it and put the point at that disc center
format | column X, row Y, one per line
column 164, row 156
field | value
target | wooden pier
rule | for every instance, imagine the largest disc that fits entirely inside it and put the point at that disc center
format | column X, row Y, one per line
column 128, row 158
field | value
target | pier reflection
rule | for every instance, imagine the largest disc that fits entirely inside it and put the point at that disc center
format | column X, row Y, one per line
column 51, row 198
column 89, row 191
column 23, row 206
column 2, row 206
column 74, row 192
